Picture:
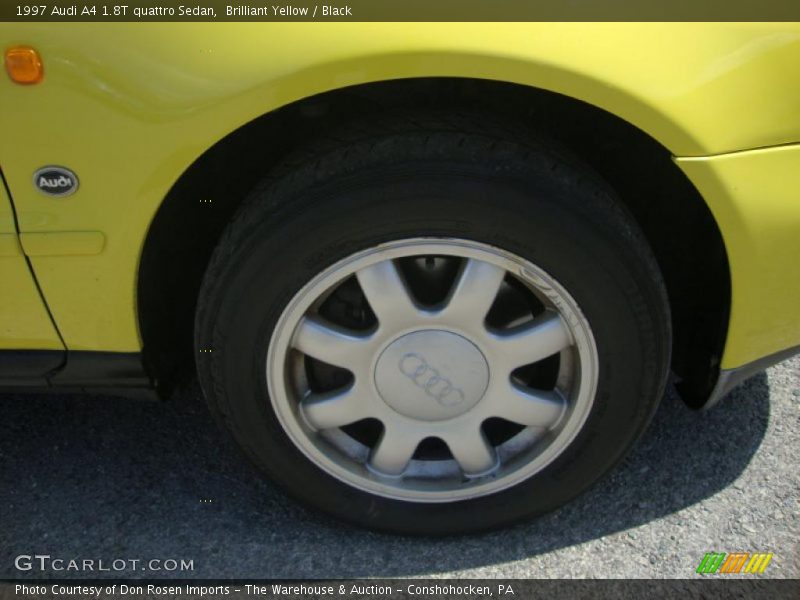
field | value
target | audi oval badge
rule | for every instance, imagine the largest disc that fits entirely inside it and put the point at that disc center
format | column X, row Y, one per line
column 55, row 181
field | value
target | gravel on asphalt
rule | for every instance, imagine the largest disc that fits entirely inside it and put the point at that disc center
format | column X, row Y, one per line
column 106, row 478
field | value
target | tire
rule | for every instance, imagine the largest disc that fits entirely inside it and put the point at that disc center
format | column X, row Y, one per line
column 430, row 257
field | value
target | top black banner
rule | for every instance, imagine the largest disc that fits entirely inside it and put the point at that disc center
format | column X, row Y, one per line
column 398, row 10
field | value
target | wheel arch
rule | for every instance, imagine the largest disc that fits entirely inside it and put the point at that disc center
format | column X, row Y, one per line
column 676, row 220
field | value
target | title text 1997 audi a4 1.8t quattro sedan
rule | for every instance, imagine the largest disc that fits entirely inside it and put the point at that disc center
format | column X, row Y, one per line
column 432, row 278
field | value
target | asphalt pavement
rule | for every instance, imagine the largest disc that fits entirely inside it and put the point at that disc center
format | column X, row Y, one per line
column 104, row 478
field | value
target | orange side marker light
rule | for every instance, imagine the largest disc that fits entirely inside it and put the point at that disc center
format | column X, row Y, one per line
column 24, row 65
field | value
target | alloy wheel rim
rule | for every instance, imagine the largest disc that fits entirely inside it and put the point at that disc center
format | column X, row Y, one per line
column 432, row 400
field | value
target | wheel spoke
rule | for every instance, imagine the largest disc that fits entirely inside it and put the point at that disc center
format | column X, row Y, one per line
column 472, row 451
column 394, row 451
column 387, row 294
column 544, row 336
column 331, row 344
column 336, row 409
column 527, row 407
column 474, row 291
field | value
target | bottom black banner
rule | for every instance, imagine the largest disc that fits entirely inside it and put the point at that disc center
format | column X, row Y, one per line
column 397, row 589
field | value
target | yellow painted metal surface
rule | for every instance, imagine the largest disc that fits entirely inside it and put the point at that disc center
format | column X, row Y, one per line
column 129, row 107
column 62, row 243
column 755, row 197
column 24, row 322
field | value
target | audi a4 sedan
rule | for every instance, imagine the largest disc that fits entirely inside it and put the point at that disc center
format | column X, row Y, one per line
column 433, row 278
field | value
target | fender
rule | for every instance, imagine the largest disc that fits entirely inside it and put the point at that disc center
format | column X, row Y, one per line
column 137, row 105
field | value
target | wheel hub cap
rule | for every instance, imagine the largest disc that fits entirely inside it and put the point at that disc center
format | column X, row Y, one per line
column 431, row 375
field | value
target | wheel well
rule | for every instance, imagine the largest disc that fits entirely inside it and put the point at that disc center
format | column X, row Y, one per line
column 675, row 219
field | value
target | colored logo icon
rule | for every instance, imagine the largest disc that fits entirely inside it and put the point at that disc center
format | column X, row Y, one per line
column 736, row 562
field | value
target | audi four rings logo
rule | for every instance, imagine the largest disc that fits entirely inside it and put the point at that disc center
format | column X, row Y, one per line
column 425, row 377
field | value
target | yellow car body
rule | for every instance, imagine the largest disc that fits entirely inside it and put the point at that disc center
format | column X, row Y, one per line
column 130, row 107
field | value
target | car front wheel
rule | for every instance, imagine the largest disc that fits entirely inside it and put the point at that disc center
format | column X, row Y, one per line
column 429, row 328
